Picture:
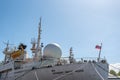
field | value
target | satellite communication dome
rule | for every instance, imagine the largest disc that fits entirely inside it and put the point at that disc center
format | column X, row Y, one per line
column 52, row 51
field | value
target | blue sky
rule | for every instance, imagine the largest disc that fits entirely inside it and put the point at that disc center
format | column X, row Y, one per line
column 80, row 24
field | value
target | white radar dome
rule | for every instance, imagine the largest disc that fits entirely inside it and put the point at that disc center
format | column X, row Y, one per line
column 52, row 51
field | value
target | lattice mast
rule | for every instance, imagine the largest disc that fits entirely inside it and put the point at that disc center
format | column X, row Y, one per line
column 37, row 49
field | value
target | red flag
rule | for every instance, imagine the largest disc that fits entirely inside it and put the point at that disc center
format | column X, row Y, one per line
column 98, row 47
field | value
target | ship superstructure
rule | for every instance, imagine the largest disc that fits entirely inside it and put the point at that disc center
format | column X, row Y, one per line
column 47, row 64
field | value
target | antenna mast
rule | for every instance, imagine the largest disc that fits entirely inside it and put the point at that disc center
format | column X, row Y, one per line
column 39, row 33
column 37, row 49
column 38, row 53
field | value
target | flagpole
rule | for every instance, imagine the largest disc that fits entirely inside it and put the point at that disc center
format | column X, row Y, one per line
column 99, row 53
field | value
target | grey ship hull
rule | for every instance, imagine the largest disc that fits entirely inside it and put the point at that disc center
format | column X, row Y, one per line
column 76, row 71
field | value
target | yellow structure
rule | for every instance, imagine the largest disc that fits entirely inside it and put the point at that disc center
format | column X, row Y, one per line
column 17, row 53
